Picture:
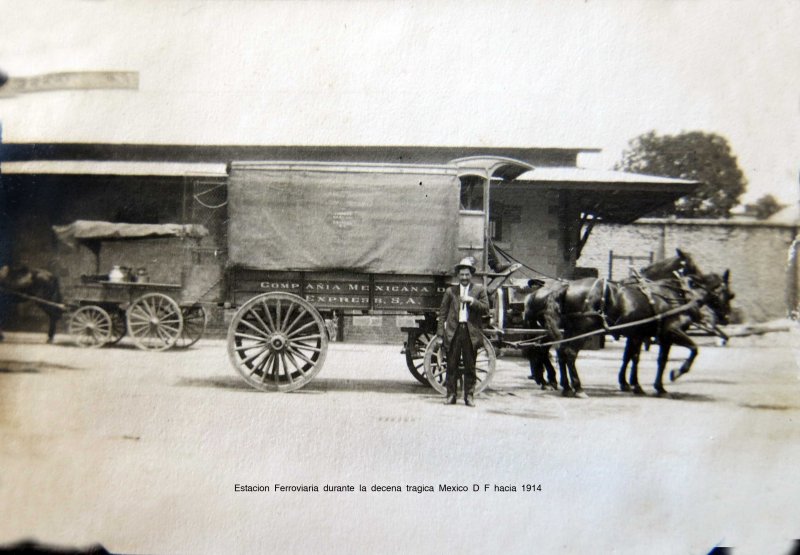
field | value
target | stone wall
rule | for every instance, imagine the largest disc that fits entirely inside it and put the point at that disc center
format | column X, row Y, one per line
column 764, row 280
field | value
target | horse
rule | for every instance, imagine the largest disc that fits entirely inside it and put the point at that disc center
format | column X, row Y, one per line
column 577, row 309
column 536, row 313
column 709, row 319
column 535, row 316
column 20, row 284
column 668, row 307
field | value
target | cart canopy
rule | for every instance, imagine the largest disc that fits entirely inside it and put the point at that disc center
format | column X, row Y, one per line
column 88, row 230
column 372, row 218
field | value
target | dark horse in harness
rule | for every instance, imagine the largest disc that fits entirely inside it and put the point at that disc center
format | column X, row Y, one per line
column 20, row 284
column 574, row 310
column 540, row 310
column 647, row 300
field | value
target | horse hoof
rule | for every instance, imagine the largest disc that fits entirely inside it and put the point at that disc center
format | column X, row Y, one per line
column 674, row 375
column 581, row 395
column 662, row 393
column 624, row 387
column 568, row 393
column 638, row 390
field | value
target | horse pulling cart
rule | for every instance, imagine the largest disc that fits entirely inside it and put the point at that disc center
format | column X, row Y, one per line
column 156, row 313
column 307, row 241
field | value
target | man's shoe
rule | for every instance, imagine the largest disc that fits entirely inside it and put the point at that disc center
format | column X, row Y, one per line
column 451, row 400
column 469, row 401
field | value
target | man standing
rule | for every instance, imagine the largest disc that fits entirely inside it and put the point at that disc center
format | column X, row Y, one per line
column 460, row 327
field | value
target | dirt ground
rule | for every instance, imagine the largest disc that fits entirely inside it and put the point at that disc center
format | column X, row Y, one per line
column 142, row 452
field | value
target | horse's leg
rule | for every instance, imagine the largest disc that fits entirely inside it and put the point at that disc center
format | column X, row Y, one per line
column 721, row 334
column 576, row 379
column 551, row 371
column 679, row 337
column 636, row 351
column 54, row 315
column 573, row 371
column 533, row 362
column 663, row 357
column 566, row 389
column 626, row 357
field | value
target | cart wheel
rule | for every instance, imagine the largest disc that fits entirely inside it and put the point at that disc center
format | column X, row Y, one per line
column 90, row 326
column 277, row 341
column 154, row 322
column 415, row 354
column 195, row 320
column 119, row 326
column 436, row 366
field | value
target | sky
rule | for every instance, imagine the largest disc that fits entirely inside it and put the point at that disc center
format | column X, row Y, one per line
column 515, row 73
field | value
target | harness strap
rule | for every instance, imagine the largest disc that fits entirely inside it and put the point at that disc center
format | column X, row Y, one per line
column 657, row 317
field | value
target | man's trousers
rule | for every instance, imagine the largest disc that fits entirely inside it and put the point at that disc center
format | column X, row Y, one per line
column 461, row 349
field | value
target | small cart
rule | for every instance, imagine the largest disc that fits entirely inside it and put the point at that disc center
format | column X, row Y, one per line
column 105, row 307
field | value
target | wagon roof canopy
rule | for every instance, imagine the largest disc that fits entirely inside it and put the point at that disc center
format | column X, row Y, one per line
column 498, row 167
column 88, row 230
column 611, row 196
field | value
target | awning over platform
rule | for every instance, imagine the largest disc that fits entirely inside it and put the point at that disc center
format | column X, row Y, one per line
column 610, row 196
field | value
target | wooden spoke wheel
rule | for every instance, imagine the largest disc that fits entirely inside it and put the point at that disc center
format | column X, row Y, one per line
column 436, row 366
column 154, row 322
column 277, row 342
column 415, row 354
column 119, row 326
column 90, row 326
column 195, row 320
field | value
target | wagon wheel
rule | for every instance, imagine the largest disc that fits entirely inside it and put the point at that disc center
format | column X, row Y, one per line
column 415, row 354
column 90, row 326
column 195, row 320
column 119, row 327
column 436, row 366
column 154, row 322
column 277, row 341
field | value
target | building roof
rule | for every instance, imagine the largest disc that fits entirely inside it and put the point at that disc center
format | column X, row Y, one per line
column 92, row 167
column 611, row 196
column 208, row 153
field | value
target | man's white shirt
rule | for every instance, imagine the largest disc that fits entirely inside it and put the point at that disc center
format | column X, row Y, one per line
column 462, row 310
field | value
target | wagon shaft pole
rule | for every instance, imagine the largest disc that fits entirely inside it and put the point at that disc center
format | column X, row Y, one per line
column 60, row 306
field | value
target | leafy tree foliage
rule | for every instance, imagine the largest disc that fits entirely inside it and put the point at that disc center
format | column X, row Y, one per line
column 764, row 207
column 697, row 156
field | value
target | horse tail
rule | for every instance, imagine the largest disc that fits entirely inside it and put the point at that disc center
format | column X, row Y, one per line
column 552, row 316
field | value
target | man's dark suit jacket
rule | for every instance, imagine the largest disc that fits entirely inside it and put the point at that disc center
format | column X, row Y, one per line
column 448, row 314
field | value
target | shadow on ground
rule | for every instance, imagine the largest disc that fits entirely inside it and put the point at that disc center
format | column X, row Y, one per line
column 768, row 407
column 24, row 367
column 316, row 386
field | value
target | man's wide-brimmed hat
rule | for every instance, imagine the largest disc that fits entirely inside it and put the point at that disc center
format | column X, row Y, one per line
column 468, row 263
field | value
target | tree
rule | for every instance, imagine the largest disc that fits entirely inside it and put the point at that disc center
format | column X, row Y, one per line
column 764, row 207
column 697, row 156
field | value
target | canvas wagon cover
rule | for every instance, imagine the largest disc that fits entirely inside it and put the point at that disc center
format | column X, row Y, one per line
column 374, row 219
column 91, row 229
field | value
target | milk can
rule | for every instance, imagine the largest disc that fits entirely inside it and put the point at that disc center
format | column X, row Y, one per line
column 116, row 274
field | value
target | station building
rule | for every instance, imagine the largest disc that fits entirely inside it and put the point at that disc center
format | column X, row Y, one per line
column 542, row 209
